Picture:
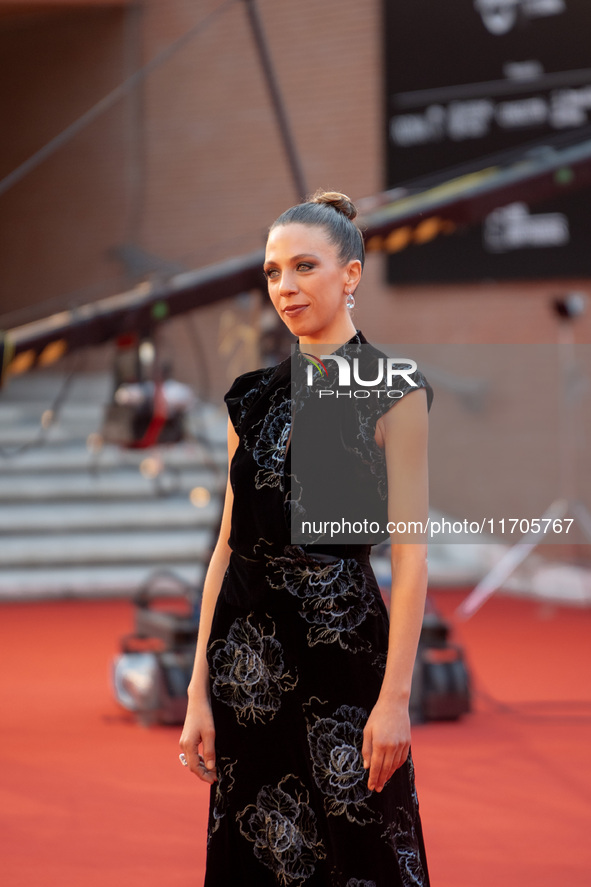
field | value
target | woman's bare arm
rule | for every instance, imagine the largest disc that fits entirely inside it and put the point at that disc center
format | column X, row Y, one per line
column 199, row 728
column 402, row 431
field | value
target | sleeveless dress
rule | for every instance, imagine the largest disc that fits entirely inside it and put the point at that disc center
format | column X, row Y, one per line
column 296, row 659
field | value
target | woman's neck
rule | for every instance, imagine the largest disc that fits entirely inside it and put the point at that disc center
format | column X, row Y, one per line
column 330, row 341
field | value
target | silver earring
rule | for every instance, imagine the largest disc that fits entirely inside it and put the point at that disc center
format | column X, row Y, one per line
column 350, row 300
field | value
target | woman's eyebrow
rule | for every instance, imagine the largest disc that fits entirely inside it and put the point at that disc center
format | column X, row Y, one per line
column 297, row 258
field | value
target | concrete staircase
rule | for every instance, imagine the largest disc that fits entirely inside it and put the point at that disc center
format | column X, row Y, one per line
column 74, row 522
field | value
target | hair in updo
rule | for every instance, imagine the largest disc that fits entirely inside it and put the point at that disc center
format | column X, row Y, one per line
column 334, row 212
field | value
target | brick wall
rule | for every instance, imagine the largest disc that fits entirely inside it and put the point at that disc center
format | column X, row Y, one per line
column 58, row 224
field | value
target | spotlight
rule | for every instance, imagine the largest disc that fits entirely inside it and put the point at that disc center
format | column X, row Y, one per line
column 152, row 672
column 570, row 306
column 441, row 687
column 135, row 676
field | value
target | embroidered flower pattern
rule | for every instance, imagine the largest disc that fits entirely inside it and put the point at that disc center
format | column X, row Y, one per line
column 334, row 597
column 282, row 826
column 335, row 748
column 355, row 882
column 248, row 672
column 368, row 414
column 250, row 396
column 369, row 452
column 379, row 663
column 413, row 787
column 269, row 442
column 403, row 838
column 224, row 785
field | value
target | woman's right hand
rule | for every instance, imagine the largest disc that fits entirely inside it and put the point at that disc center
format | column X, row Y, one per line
column 199, row 731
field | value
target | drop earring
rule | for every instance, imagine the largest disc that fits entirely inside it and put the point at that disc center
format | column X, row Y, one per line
column 350, row 300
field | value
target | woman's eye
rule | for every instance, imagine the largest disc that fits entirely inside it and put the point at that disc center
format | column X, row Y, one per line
column 305, row 266
column 271, row 273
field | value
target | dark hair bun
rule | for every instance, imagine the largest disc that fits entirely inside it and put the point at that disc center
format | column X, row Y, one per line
column 338, row 201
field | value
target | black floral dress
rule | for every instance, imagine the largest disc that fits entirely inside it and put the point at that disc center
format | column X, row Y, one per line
column 296, row 655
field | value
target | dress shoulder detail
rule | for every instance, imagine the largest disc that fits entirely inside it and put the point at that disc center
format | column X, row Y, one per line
column 244, row 391
column 402, row 383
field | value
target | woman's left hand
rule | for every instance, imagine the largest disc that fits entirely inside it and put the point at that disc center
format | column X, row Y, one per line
column 386, row 742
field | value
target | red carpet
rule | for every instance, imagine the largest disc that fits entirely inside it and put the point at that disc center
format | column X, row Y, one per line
column 89, row 798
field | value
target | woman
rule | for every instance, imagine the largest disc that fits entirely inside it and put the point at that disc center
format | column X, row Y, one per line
column 300, row 691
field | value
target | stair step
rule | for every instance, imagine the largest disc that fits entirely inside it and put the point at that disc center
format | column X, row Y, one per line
column 29, row 412
column 125, row 484
column 206, row 425
column 173, row 513
column 106, row 548
column 28, row 436
column 43, row 386
column 68, row 458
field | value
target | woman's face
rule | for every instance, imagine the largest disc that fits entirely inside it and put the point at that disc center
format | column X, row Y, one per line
column 308, row 285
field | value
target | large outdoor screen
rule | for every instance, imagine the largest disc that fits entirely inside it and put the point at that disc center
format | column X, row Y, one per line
column 467, row 81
